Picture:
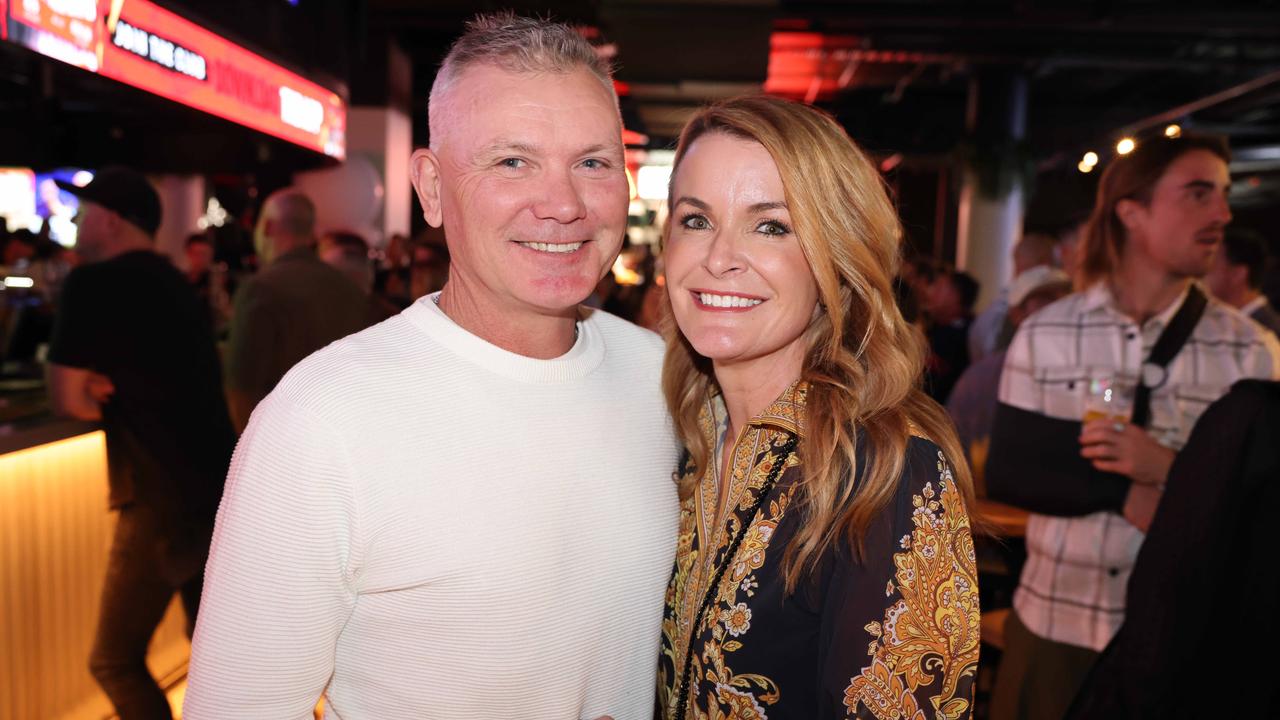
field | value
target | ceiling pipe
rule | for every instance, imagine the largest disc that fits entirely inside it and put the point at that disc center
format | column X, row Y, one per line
column 1181, row 111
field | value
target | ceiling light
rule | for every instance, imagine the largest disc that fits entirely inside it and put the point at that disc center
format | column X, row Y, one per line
column 1125, row 146
column 1173, row 131
column 1084, row 167
column 1090, row 159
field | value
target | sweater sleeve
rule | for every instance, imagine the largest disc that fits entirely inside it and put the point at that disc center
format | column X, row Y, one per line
column 279, row 581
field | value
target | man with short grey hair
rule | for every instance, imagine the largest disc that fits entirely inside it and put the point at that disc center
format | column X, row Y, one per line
column 445, row 516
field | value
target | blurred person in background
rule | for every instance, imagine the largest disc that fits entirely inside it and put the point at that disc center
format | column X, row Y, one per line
column 208, row 279
column 972, row 404
column 391, row 276
column 1204, row 586
column 19, row 248
column 132, row 347
column 294, row 305
column 989, row 331
column 911, row 287
column 465, row 511
column 949, row 311
column 428, row 268
column 1094, row 483
column 198, row 251
column 348, row 253
column 1067, row 252
column 825, row 564
column 1236, row 277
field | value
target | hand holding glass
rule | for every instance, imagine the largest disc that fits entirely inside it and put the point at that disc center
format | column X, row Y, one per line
column 1109, row 398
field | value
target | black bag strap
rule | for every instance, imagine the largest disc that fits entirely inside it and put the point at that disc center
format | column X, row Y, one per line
column 1168, row 345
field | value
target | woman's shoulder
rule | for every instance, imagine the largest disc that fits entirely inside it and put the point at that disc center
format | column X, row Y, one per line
column 924, row 463
column 925, row 493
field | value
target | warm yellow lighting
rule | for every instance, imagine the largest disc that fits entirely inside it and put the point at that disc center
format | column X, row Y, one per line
column 1126, row 146
column 1090, row 158
column 624, row 275
column 77, row 449
column 1173, row 131
column 1084, row 167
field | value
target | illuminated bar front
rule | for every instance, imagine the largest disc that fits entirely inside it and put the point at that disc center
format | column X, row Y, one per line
column 55, row 531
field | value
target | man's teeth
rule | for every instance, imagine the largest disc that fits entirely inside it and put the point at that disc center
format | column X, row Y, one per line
column 553, row 247
column 727, row 300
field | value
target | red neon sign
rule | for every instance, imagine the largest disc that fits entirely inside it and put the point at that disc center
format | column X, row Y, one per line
column 148, row 47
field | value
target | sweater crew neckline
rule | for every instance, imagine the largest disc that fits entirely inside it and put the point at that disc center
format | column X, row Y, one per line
column 584, row 357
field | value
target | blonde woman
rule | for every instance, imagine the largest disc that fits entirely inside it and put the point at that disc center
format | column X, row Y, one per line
column 825, row 565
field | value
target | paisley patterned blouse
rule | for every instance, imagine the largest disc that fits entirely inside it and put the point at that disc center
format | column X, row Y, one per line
column 895, row 636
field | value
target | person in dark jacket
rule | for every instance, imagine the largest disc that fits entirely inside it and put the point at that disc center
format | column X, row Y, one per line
column 1202, row 597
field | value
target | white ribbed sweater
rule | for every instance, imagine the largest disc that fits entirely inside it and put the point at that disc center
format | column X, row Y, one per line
column 432, row 527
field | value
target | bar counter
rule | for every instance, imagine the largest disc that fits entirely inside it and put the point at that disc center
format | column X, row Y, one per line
column 55, row 531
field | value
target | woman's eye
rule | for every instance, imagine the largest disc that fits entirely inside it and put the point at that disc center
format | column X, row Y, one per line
column 773, row 227
column 694, row 222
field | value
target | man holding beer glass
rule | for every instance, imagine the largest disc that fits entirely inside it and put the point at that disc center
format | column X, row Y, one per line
column 1099, row 391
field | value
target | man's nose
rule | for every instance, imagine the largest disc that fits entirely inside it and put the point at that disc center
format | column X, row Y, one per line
column 1222, row 212
column 562, row 199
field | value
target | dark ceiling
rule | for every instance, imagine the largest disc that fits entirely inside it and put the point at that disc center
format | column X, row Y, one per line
column 912, row 80
column 900, row 75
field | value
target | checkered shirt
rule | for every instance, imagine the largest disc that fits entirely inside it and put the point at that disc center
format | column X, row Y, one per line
column 1072, row 588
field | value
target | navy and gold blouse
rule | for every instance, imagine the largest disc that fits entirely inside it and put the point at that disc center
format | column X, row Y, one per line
column 892, row 636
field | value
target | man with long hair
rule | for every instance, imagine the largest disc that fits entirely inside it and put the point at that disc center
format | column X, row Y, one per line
column 1094, row 484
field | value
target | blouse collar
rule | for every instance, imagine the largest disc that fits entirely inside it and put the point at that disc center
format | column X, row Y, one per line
column 785, row 413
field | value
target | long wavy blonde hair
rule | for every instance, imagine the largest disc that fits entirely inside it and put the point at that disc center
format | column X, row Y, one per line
column 863, row 361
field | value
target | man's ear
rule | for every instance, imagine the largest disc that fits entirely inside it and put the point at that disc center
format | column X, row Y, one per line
column 425, row 170
column 1128, row 211
column 113, row 226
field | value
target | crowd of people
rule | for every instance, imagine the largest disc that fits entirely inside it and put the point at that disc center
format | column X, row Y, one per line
column 456, row 491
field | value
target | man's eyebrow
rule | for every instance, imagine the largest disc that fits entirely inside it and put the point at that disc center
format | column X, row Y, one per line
column 1203, row 185
column 694, row 202
column 599, row 148
column 499, row 147
column 764, row 206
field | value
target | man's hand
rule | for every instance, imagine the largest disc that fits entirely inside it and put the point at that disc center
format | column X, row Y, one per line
column 1140, row 505
column 1125, row 449
column 77, row 392
column 99, row 388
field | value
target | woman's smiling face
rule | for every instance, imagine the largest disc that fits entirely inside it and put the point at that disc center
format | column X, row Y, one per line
column 741, row 288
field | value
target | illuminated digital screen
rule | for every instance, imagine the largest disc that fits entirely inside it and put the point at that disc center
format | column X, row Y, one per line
column 18, row 199
column 148, row 47
column 57, row 206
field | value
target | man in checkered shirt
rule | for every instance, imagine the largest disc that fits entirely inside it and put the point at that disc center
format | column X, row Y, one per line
column 1094, row 487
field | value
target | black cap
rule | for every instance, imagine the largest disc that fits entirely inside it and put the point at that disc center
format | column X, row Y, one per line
column 123, row 191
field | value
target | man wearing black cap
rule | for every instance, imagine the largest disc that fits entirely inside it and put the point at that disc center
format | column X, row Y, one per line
column 132, row 346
